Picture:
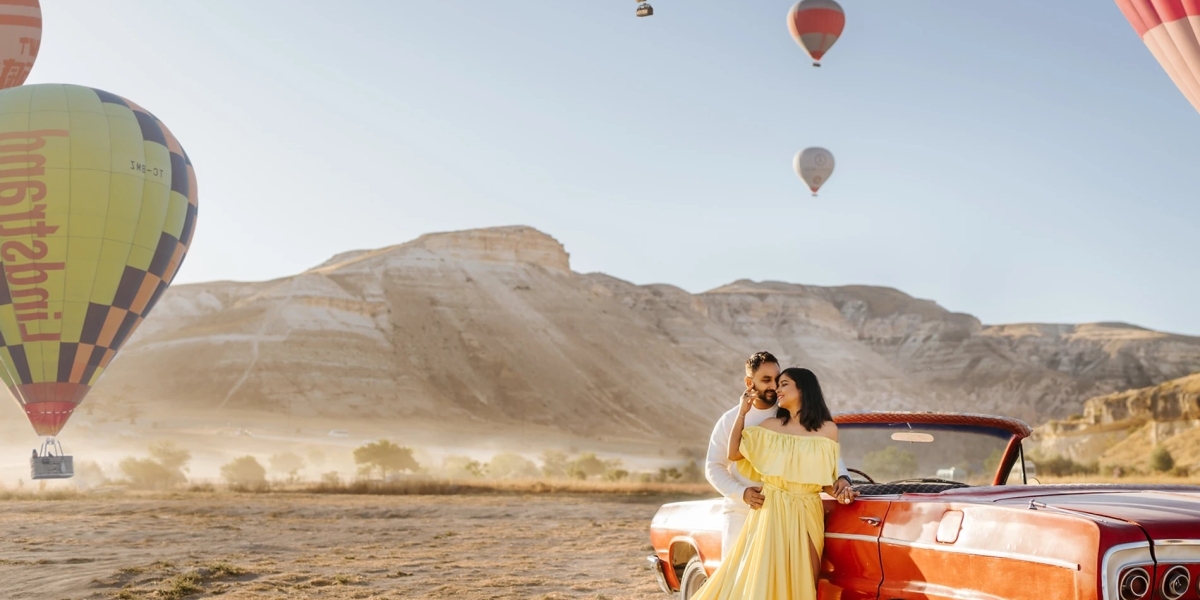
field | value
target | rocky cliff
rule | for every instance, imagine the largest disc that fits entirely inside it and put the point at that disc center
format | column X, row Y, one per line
column 1122, row 428
column 492, row 326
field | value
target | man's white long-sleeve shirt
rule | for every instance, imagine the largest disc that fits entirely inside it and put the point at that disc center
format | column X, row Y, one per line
column 721, row 472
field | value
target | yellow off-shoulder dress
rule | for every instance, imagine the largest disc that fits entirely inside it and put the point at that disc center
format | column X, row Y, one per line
column 771, row 559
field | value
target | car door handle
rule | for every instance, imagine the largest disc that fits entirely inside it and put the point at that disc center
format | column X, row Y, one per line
column 872, row 521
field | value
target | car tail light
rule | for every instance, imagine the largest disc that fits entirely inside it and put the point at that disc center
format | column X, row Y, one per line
column 1135, row 584
column 1175, row 582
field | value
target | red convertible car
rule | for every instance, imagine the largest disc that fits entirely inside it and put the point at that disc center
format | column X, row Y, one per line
column 945, row 510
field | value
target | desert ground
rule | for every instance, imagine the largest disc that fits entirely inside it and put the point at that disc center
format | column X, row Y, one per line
column 290, row 545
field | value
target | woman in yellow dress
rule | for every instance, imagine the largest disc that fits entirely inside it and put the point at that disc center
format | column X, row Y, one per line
column 794, row 456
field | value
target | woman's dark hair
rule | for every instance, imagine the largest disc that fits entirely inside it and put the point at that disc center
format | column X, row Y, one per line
column 813, row 411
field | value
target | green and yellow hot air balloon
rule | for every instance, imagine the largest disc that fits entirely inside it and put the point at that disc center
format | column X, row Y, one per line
column 97, row 210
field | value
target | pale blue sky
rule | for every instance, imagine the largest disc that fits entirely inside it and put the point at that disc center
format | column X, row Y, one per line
column 1020, row 161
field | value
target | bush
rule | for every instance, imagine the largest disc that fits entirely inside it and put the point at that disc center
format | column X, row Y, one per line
column 1180, row 471
column 171, row 457
column 146, row 474
column 508, row 465
column 1061, row 466
column 554, row 464
column 244, row 472
column 890, row 464
column 456, row 467
column 386, row 457
column 587, row 465
column 289, row 464
column 1161, row 459
column 164, row 469
column 331, row 478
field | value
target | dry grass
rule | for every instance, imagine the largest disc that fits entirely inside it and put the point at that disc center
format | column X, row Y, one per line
column 443, row 487
column 1159, row 479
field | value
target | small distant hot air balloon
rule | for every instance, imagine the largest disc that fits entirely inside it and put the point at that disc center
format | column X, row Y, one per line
column 20, row 39
column 1171, row 30
column 97, row 210
column 816, row 25
column 813, row 166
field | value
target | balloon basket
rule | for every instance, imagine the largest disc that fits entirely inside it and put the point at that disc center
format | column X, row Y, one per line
column 816, row 64
column 50, row 462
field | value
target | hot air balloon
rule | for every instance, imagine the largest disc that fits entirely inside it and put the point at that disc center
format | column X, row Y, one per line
column 97, row 210
column 20, row 38
column 1171, row 29
column 813, row 166
column 816, row 25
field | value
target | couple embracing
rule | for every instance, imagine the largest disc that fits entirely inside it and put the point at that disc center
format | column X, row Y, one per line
column 771, row 457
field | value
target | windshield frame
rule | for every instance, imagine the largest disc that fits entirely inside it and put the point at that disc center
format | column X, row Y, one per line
column 1014, row 430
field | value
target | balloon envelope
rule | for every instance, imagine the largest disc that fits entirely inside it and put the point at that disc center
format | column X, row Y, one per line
column 20, row 39
column 1171, row 30
column 814, row 166
column 816, row 25
column 97, row 210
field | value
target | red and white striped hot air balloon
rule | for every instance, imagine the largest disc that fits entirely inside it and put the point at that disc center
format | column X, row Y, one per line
column 1171, row 29
column 816, row 25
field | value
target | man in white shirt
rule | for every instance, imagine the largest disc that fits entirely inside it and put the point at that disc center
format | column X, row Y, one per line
column 741, row 494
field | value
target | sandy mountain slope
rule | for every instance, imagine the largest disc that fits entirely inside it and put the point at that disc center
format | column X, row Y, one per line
column 492, row 326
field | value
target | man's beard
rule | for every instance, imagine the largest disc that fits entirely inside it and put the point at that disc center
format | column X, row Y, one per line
column 768, row 397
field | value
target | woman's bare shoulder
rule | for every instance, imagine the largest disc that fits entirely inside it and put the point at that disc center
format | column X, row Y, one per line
column 773, row 424
column 829, row 429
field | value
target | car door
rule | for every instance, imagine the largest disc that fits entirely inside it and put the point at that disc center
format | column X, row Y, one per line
column 850, row 564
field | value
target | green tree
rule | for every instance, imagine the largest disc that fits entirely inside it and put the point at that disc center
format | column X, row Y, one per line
column 509, row 465
column 1161, row 459
column 386, row 457
column 691, row 473
column 244, row 472
column 554, row 464
column 463, row 466
column 890, row 464
column 585, row 466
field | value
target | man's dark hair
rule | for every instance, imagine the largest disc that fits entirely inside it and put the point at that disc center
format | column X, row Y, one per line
column 757, row 359
column 813, row 410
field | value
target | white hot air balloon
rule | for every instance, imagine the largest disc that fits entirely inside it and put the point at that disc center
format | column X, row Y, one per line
column 813, row 166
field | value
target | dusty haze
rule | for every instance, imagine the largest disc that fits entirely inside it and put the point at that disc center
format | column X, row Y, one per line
column 478, row 341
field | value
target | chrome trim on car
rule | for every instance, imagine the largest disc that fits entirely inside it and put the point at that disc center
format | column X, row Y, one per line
column 657, row 566
column 1127, row 580
column 852, row 536
column 1131, row 553
column 1054, row 562
column 1168, row 591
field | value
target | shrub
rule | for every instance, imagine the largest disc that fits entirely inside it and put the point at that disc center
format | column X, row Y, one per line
column 1161, row 459
column 1061, row 466
column 554, row 464
column 164, row 469
column 463, row 466
column 587, row 465
column 890, row 464
column 146, row 474
column 508, row 465
column 386, row 457
column 244, row 472
column 288, row 464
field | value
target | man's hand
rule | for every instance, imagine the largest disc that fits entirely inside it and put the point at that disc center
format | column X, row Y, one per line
column 842, row 491
column 754, row 497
